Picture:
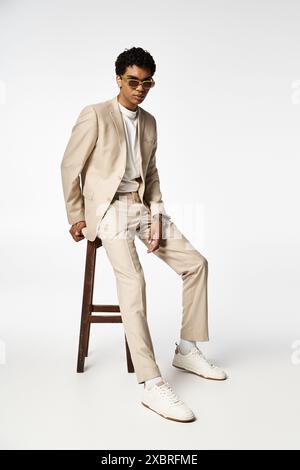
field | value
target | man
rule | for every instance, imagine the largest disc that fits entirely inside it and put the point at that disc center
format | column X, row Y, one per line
column 113, row 149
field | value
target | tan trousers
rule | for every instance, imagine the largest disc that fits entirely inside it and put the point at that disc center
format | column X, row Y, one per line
column 125, row 218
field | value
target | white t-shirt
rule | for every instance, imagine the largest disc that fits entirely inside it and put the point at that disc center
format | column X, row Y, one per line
column 132, row 171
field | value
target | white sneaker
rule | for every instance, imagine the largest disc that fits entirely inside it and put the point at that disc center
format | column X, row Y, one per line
column 163, row 400
column 196, row 362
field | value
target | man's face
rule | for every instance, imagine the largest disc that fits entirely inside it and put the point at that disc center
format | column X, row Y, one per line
column 133, row 96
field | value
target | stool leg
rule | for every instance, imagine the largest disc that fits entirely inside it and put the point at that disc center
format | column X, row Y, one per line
column 87, row 340
column 130, row 367
column 86, row 304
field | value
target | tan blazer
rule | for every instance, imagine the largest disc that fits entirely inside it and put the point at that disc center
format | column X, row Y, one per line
column 95, row 159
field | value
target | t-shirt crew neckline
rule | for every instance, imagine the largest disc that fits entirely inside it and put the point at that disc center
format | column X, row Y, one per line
column 128, row 112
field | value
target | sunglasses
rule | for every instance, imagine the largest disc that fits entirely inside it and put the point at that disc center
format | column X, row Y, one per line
column 134, row 82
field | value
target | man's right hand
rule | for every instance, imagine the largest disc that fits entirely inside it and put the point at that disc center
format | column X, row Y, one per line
column 76, row 232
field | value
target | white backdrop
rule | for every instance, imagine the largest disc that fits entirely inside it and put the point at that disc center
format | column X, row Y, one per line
column 227, row 105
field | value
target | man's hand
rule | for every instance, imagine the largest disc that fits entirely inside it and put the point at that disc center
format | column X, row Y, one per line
column 75, row 230
column 155, row 235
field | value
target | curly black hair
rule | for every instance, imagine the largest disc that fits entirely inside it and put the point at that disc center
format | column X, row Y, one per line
column 134, row 56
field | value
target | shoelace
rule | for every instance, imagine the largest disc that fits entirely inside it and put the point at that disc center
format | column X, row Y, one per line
column 200, row 353
column 167, row 391
column 197, row 352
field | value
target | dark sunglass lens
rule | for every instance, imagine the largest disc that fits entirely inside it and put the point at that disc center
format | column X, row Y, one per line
column 133, row 83
column 147, row 84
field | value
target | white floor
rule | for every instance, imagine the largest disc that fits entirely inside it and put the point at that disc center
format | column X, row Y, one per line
column 45, row 404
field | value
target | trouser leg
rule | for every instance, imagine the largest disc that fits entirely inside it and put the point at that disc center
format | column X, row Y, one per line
column 176, row 250
column 131, row 291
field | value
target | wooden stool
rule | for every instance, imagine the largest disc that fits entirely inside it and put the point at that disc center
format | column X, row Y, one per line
column 88, row 308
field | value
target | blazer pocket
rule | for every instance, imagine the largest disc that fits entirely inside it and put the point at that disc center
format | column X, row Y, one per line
column 88, row 194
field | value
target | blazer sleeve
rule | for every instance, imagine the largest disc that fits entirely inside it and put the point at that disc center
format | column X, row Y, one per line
column 80, row 146
column 152, row 194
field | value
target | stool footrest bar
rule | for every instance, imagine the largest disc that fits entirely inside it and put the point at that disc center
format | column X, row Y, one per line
column 104, row 319
column 104, row 308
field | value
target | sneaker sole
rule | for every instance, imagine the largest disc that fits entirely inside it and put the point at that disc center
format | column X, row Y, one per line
column 167, row 417
column 200, row 375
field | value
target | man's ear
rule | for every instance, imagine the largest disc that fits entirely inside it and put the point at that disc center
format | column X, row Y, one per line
column 118, row 80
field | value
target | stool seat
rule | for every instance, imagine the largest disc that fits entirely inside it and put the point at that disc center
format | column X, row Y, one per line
column 88, row 308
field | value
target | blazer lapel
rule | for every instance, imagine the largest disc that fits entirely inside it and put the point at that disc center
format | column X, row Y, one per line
column 117, row 119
